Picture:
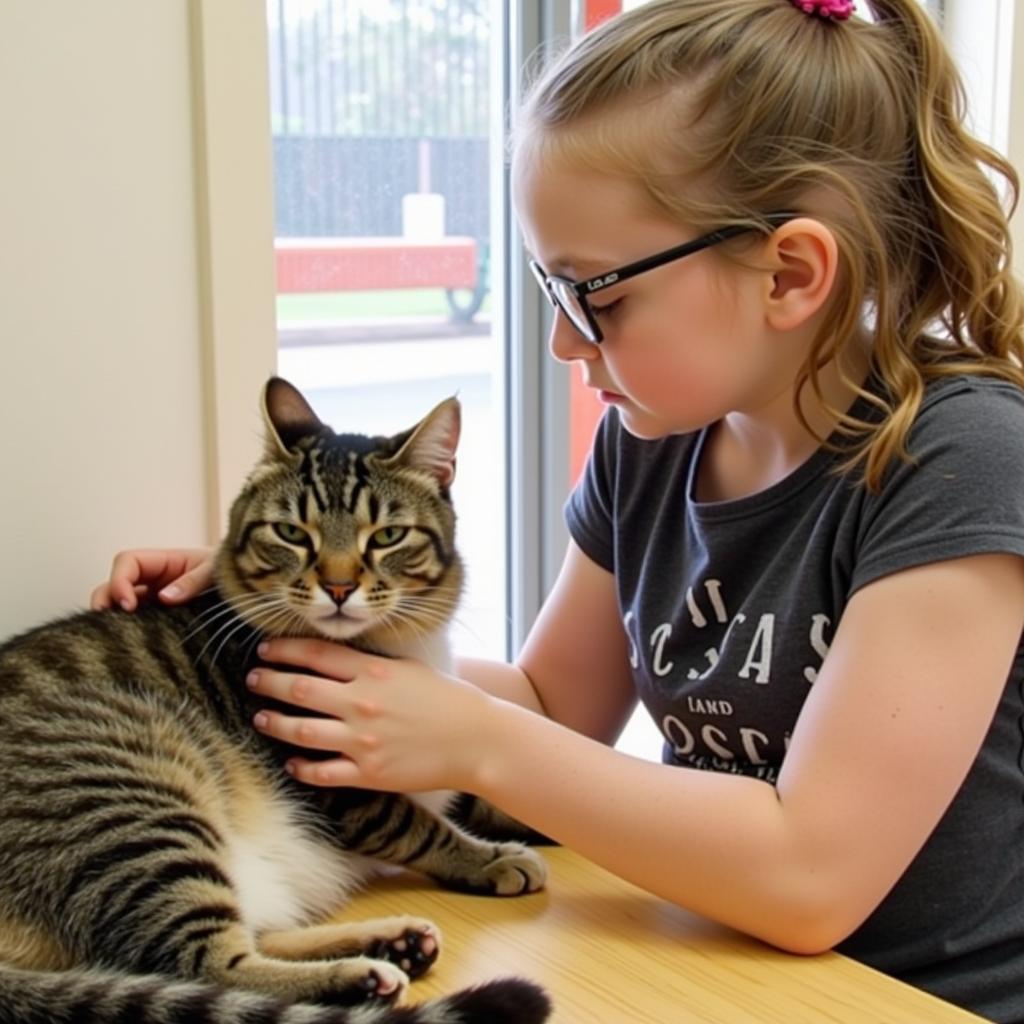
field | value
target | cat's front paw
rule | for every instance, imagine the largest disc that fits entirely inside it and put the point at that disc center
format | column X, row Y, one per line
column 514, row 871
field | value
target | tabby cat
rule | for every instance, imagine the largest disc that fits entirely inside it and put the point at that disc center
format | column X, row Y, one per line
column 157, row 865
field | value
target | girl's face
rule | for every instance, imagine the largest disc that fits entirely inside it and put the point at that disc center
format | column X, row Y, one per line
column 684, row 344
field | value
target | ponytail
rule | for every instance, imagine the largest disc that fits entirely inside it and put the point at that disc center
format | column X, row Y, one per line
column 955, row 237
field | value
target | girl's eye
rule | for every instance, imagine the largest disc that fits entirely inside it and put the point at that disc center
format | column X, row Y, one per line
column 291, row 533
column 607, row 308
column 388, row 535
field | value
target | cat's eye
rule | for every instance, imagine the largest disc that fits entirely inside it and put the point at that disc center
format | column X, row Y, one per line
column 291, row 533
column 388, row 535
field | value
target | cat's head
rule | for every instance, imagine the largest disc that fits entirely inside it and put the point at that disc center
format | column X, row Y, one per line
column 345, row 536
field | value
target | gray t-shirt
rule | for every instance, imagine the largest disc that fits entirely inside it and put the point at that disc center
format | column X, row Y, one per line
column 730, row 608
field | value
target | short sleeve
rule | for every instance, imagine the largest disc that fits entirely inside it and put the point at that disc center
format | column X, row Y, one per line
column 589, row 512
column 963, row 493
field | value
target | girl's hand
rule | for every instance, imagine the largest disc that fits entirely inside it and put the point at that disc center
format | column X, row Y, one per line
column 398, row 724
column 173, row 576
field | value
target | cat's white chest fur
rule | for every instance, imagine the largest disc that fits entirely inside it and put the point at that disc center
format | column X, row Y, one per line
column 284, row 875
column 436, row 651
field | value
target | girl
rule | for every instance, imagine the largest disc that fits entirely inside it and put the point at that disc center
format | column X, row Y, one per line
column 775, row 253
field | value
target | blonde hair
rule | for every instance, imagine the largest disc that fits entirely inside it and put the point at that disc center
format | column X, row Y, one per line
column 736, row 109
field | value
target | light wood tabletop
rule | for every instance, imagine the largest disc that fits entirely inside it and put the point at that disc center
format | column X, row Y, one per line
column 608, row 953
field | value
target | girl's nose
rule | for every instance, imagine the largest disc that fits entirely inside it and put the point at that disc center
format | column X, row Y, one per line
column 566, row 343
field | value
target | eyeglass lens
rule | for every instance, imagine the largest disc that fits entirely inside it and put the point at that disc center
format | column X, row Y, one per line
column 572, row 306
column 563, row 297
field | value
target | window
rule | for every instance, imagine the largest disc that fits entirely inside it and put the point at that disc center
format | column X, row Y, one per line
column 384, row 134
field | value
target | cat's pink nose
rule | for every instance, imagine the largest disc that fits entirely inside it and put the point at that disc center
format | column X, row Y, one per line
column 338, row 590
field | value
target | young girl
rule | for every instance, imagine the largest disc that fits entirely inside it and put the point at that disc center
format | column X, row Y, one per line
column 776, row 255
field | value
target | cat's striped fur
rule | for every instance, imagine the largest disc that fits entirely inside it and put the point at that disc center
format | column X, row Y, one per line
column 156, row 864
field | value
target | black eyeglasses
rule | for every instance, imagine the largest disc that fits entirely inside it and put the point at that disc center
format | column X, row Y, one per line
column 571, row 296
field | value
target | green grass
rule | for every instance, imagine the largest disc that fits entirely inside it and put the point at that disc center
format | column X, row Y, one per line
column 381, row 303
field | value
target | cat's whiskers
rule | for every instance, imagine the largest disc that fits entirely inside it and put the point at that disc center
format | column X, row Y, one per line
column 266, row 617
column 435, row 614
column 394, row 619
column 220, row 609
column 242, row 624
column 249, row 606
column 283, row 609
column 386, row 621
column 283, row 615
column 294, row 621
column 257, row 636
column 207, row 619
column 423, row 613
column 409, row 598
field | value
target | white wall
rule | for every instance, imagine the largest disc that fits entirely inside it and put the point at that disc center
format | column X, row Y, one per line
column 136, row 282
column 101, row 434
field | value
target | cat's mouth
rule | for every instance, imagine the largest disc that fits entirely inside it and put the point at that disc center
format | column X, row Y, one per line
column 340, row 615
column 339, row 624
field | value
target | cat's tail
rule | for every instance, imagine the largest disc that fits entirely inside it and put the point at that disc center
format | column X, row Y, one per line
column 101, row 997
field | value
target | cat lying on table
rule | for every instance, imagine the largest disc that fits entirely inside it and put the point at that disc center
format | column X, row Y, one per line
column 157, row 865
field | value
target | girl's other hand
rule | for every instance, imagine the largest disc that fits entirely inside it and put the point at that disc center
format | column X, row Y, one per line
column 171, row 576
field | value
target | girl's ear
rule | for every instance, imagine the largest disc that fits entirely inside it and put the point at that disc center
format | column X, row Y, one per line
column 804, row 256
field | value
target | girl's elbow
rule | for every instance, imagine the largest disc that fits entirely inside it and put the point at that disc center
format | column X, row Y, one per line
column 804, row 940
column 813, row 930
column 813, row 920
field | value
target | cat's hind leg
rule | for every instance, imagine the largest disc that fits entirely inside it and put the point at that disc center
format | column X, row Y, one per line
column 187, row 924
column 152, row 892
column 193, row 930
column 411, row 943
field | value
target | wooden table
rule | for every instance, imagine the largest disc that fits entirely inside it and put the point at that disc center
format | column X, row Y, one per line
column 610, row 954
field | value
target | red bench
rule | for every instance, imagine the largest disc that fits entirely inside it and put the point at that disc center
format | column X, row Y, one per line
column 363, row 264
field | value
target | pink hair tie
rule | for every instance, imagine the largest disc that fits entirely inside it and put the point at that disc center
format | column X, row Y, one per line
column 838, row 10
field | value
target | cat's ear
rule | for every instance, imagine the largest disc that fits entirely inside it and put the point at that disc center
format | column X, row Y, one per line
column 288, row 417
column 430, row 447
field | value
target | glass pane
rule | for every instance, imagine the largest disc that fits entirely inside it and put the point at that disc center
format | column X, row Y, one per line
column 382, row 133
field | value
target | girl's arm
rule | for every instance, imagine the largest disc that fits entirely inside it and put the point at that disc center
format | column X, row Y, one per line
column 892, row 724
column 499, row 679
column 574, row 665
column 888, row 733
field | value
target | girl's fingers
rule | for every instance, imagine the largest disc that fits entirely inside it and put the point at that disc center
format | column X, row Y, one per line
column 125, row 573
column 175, row 575
column 99, row 599
column 103, row 597
column 339, row 771
column 313, row 733
column 310, row 692
column 193, row 583
column 323, row 657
